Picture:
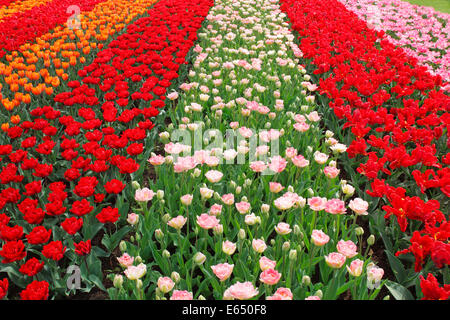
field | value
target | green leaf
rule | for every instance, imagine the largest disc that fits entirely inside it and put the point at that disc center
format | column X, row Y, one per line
column 97, row 281
column 111, row 242
column 397, row 267
column 344, row 288
column 99, row 252
column 398, row 291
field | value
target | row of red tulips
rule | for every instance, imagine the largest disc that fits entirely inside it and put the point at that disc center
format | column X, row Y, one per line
column 64, row 167
column 399, row 121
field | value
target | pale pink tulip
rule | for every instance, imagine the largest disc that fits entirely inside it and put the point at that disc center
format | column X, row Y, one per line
column 335, row 260
column 347, row 248
column 206, row 221
column 335, row 206
column 319, row 238
column 181, row 295
column 242, row 291
column 270, row 276
column 317, row 203
column 177, row 222
column 265, row 263
column 223, row 271
column 165, row 284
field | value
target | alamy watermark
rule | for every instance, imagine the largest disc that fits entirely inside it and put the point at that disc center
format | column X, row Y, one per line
column 73, row 22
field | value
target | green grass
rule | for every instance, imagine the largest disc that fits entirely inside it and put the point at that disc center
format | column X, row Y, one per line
column 439, row 5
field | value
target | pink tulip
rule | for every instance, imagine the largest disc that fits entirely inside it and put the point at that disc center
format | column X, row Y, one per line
column 228, row 199
column 165, row 284
column 347, row 248
column 270, row 276
column 177, row 222
column 259, row 245
column 241, row 291
column 223, row 270
column 335, row 260
column 265, row 263
column 356, row 267
column 319, row 238
column 275, row 187
column 181, row 295
column 206, row 221
column 243, row 207
column 317, row 203
column 331, row 172
column 335, row 206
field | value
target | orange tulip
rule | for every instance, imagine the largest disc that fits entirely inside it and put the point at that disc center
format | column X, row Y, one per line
column 5, row 126
column 15, row 119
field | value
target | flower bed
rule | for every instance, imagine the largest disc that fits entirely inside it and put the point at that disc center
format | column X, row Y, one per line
column 43, row 68
column 399, row 131
column 27, row 25
column 263, row 217
column 422, row 32
column 65, row 169
column 8, row 8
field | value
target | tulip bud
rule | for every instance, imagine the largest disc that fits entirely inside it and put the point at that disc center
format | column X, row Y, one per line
column 132, row 239
column 286, row 246
column 168, row 160
column 265, row 208
column 359, row 231
column 139, row 284
column 160, row 194
column 123, row 246
column 175, row 276
column 164, row 136
column 166, row 218
column 199, row 258
column 319, row 293
column 218, row 230
column 217, row 196
column 272, row 242
column 200, row 297
column 197, row 172
column 306, row 280
column 310, row 192
column 166, row 254
column 241, row 234
column 293, row 255
column 371, row 240
column 387, row 297
column 135, row 185
column 238, row 189
column 159, row 235
column 118, row 281
column 297, row 230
